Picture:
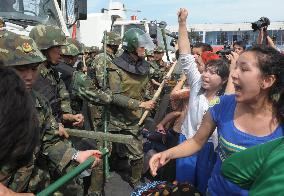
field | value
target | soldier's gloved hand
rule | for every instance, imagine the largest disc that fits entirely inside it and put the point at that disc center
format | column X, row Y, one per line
column 84, row 155
column 78, row 120
column 148, row 105
column 62, row 131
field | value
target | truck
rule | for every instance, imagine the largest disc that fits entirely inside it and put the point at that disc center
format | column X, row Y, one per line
column 114, row 19
column 20, row 16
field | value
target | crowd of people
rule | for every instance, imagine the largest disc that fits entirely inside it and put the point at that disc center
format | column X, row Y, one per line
column 210, row 109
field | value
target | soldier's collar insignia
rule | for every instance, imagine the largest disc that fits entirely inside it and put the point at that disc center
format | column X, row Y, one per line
column 27, row 47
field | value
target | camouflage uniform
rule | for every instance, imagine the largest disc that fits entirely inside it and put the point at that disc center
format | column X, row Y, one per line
column 52, row 152
column 54, row 155
column 92, row 52
column 161, row 65
column 82, row 86
column 124, row 118
column 49, row 83
column 82, row 90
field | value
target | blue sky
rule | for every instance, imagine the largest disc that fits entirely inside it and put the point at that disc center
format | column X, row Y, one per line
column 201, row 11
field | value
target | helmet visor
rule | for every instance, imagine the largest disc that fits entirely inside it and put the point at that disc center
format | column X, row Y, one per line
column 146, row 42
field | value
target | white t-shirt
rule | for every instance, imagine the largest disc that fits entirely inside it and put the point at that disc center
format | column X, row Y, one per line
column 198, row 103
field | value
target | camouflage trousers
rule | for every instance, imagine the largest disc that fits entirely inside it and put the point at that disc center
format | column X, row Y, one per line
column 41, row 178
column 133, row 152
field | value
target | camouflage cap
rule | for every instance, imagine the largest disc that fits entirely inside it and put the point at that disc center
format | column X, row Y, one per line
column 47, row 36
column 70, row 49
column 159, row 49
column 87, row 49
column 2, row 22
column 78, row 44
column 18, row 50
column 112, row 38
column 94, row 49
column 149, row 53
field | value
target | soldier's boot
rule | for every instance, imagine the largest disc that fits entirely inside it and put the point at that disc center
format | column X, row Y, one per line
column 136, row 172
column 97, row 181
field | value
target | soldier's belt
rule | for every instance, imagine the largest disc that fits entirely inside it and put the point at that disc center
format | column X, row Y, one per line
column 101, row 136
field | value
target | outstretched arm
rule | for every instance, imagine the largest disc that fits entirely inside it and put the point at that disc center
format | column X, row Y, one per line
column 183, row 41
column 187, row 148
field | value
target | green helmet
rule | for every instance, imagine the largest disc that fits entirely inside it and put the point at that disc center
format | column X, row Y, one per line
column 47, row 36
column 112, row 38
column 18, row 50
column 135, row 38
column 70, row 49
column 159, row 49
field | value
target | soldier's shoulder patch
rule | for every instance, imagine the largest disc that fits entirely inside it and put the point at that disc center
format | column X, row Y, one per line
column 214, row 101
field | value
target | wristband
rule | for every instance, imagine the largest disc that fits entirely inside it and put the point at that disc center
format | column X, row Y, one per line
column 75, row 156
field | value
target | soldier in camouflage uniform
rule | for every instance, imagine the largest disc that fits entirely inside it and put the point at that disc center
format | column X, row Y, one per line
column 113, row 41
column 82, row 89
column 52, row 153
column 159, row 64
column 79, row 64
column 91, row 54
column 127, row 75
column 155, row 74
column 79, row 85
column 49, row 39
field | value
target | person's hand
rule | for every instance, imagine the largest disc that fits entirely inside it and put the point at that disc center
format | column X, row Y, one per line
column 148, row 105
column 260, row 36
column 182, row 78
column 78, row 120
column 155, row 82
column 160, row 128
column 84, row 155
column 182, row 15
column 233, row 57
column 157, row 161
column 62, row 131
column 169, row 65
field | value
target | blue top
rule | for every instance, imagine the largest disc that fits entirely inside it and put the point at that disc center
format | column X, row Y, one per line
column 231, row 140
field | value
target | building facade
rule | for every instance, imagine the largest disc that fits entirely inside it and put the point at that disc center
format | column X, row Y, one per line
column 220, row 34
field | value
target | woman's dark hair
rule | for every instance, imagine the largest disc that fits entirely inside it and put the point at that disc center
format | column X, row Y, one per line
column 222, row 69
column 240, row 43
column 19, row 132
column 203, row 46
column 271, row 62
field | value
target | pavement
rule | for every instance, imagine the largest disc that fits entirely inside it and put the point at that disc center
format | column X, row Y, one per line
column 116, row 186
